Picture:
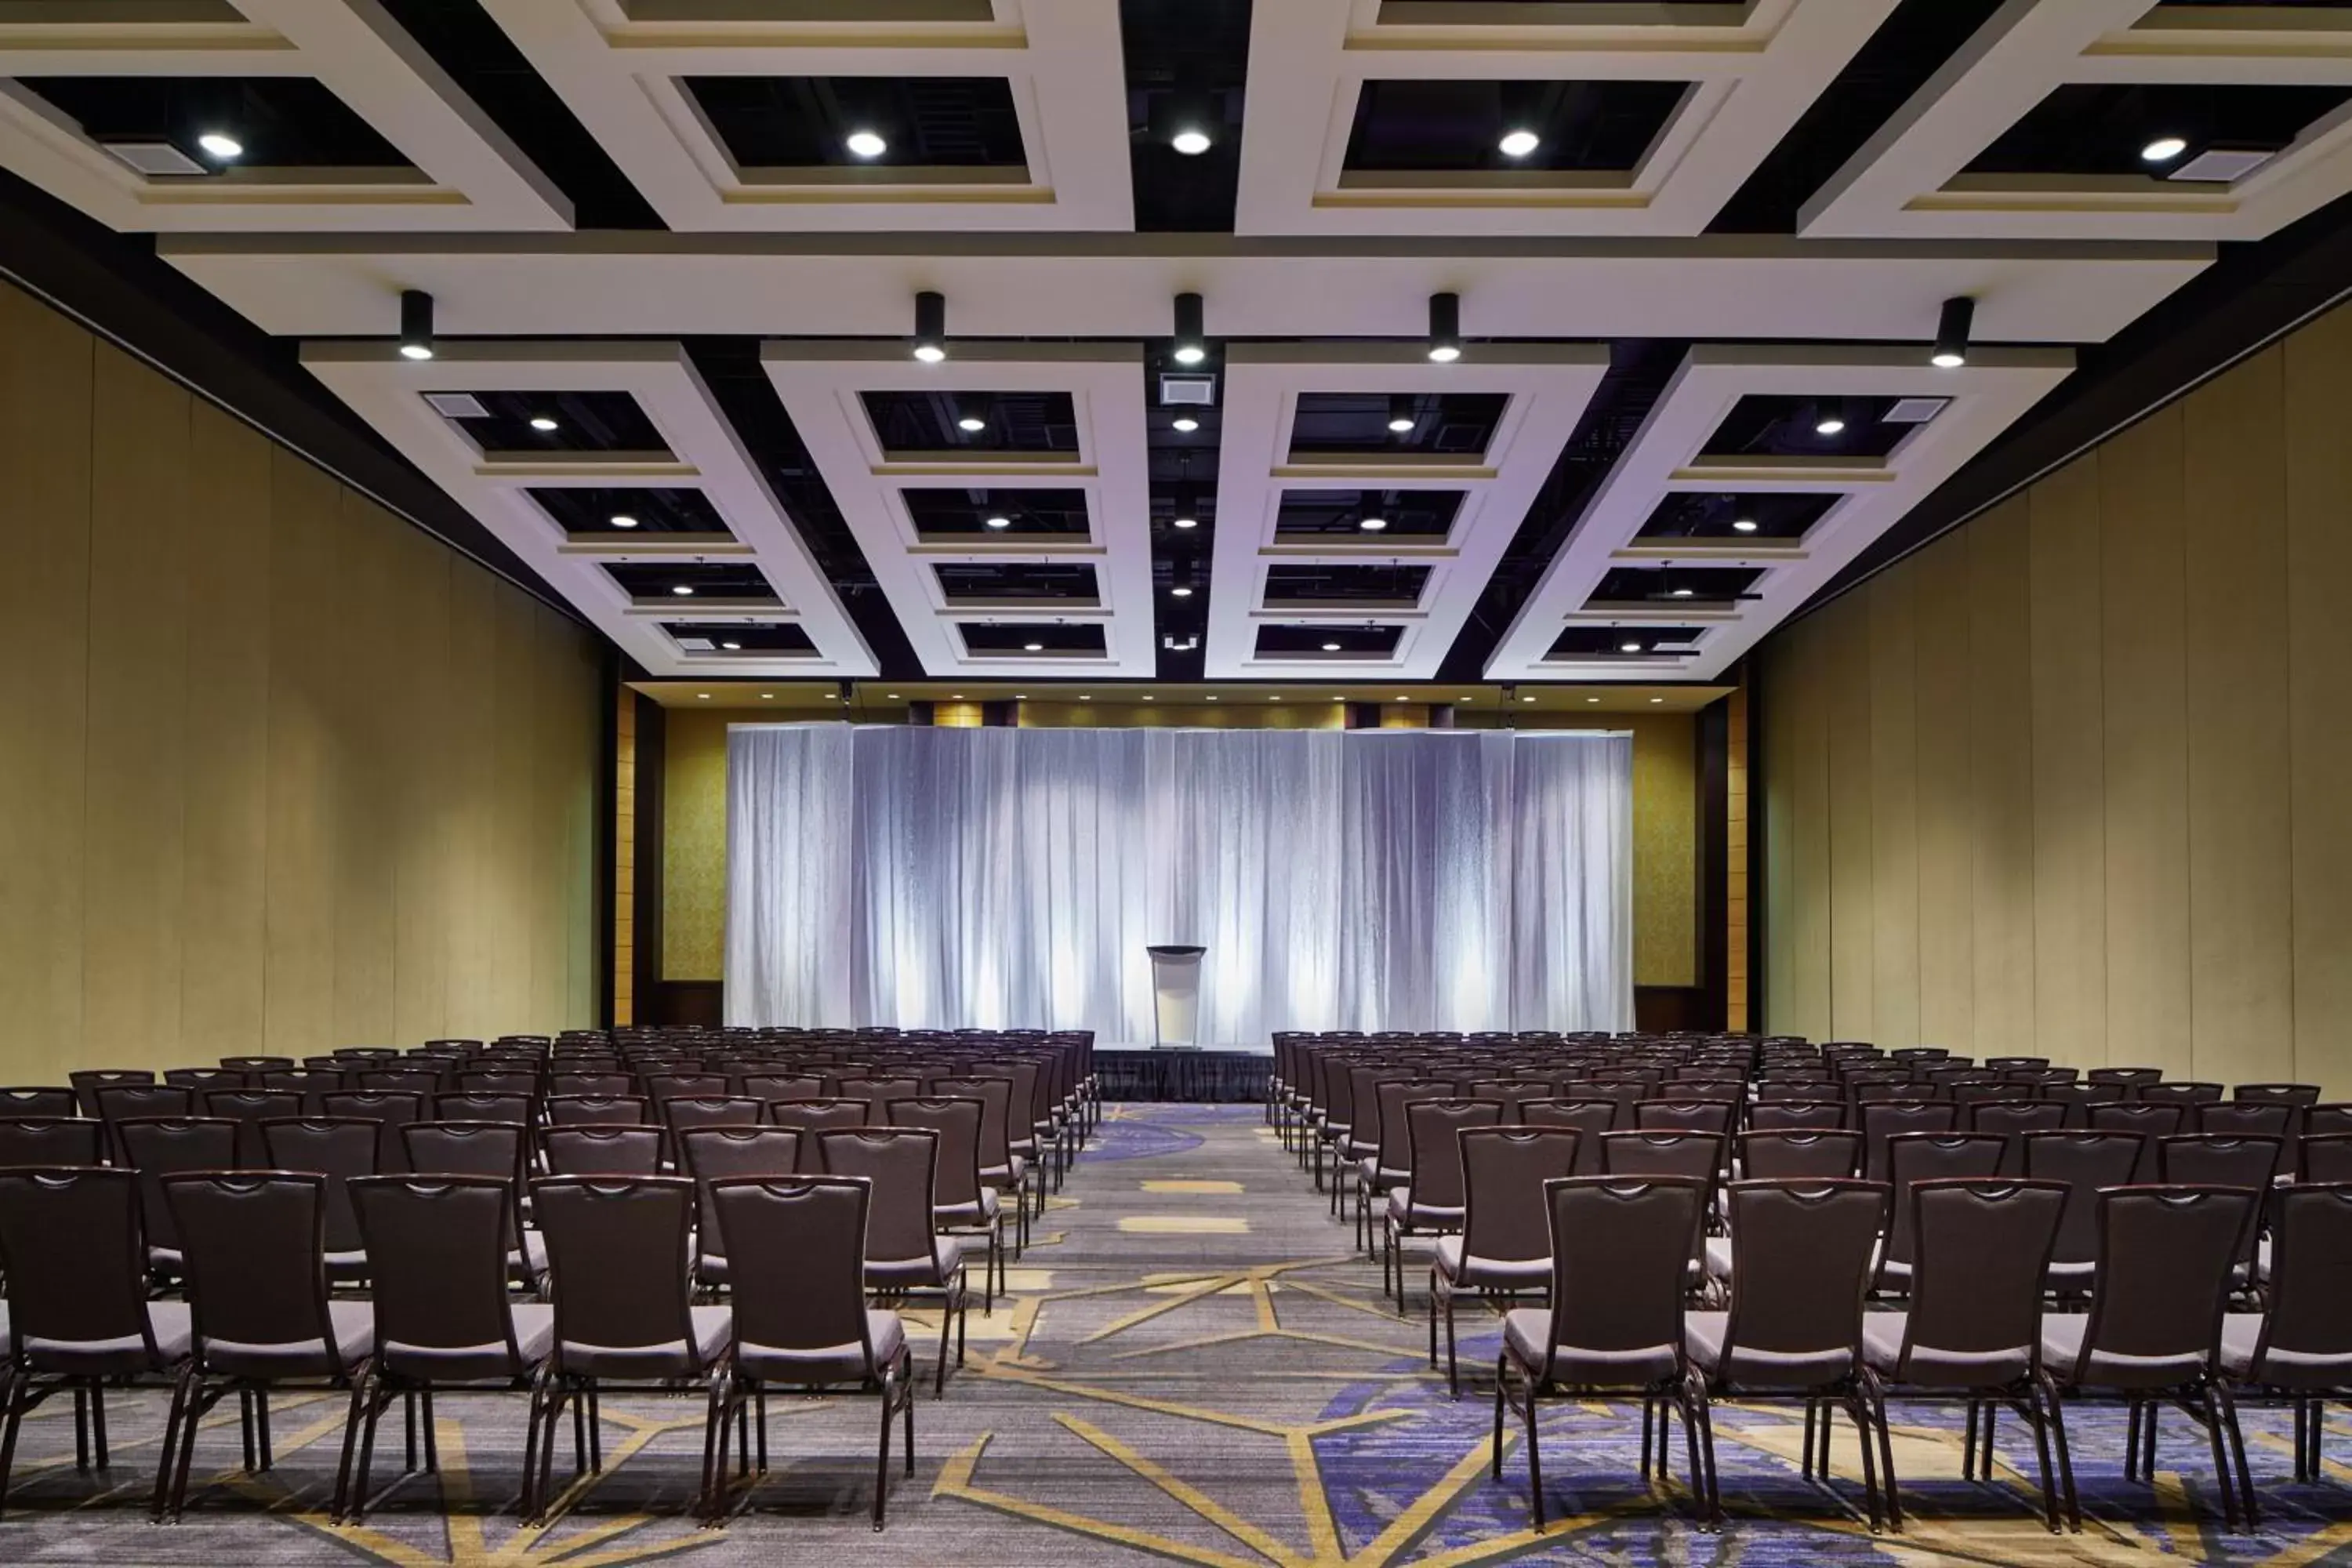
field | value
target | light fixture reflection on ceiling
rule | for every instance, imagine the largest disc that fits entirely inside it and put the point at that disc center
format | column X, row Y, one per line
column 1445, row 328
column 2163, row 150
column 930, row 326
column 1519, row 141
column 1952, row 324
column 1192, row 338
column 415, row 324
column 221, row 145
column 865, row 143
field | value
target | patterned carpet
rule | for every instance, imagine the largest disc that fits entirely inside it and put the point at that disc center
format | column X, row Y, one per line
column 1193, row 1368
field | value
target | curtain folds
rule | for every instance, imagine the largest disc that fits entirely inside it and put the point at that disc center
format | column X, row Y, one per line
column 1001, row 877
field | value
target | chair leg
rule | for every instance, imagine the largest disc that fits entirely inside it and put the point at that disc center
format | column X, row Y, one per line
column 81, row 1430
column 174, row 1431
column 244, row 1428
column 1805, row 1461
column 19, row 1385
column 1495, row 1468
column 529, row 1441
column 907, row 1406
column 939, row 1378
column 1535, row 1459
column 192, row 1416
column 2133, row 1412
column 882, row 1459
column 261, row 1427
column 759, row 1421
column 408, row 1430
column 1701, row 1416
column 1969, row 1443
column 97, row 1427
column 1649, row 1414
column 715, row 1415
column 595, row 1429
column 1453, row 1370
column 1861, row 1413
column 1886, row 1448
column 339, row 1511
column 2056, row 1402
column 2237, row 1442
column 2040, row 1419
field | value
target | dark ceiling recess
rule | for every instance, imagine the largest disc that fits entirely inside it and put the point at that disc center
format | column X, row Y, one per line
column 627, row 512
column 2100, row 128
column 1183, row 484
column 1453, row 424
column 1715, row 515
column 657, row 581
column 1010, row 421
column 1674, row 584
column 1639, row 369
column 279, row 122
column 805, row 121
column 1386, row 584
column 1315, row 641
column 1026, row 513
column 478, row 57
column 520, row 423
column 1339, row 516
column 1191, row 47
column 962, row 581
column 1767, row 426
column 1624, row 642
column 1019, row 637
column 750, row 638
column 731, row 368
column 1917, row 36
column 1437, row 124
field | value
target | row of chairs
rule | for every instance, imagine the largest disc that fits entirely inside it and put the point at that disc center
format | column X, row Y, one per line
column 258, row 1318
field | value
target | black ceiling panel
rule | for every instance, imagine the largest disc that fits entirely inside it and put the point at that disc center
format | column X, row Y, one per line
column 577, row 421
column 1422, row 124
column 1713, row 515
column 1768, row 426
column 1185, row 60
column 1675, row 584
column 1453, row 424
column 1016, row 638
column 1027, row 513
column 798, row 122
column 281, row 121
column 1620, row 642
column 1010, row 421
column 658, row 582
column 772, row 638
column 1338, row 515
column 1042, row 581
column 623, row 511
column 1296, row 586
column 2100, row 128
column 1280, row 641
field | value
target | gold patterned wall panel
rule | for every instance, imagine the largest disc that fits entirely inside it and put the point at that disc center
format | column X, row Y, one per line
column 277, row 771
column 2106, row 751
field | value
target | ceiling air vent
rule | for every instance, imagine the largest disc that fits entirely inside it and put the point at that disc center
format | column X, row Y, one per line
column 2222, row 165
column 154, row 157
column 1201, row 389
column 697, row 645
column 456, row 406
column 1914, row 410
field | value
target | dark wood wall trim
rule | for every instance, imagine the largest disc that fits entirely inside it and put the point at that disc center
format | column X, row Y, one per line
column 1713, row 739
column 702, row 1002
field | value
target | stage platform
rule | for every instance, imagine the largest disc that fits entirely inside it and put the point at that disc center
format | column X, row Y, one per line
column 1223, row 1073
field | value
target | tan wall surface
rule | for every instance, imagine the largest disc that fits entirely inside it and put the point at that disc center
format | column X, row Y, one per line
column 278, row 771
column 1665, row 823
column 2071, row 780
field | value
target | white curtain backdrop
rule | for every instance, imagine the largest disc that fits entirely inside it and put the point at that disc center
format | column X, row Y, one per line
column 1001, row 877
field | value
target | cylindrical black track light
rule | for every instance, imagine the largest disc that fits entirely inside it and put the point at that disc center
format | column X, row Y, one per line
column 1445, row 328
column 1188, row 117
column 1401, row 415
column 1180, row 579
column 971, row 415
column 1952, row 326
column 415, row 324
column 930, row 326
column 1191, row 341
column 1185, row 511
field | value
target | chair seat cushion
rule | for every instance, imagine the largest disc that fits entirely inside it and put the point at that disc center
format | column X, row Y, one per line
column 2062, row 1346
column 1703, row 1334
column 1718, row 1258
column 903, row 1273
column 709, row 1325
column 532, row 1259
column 351, row 1323
column 534, row 1331
column 825, row 1364
column 1405, row 1211
column 979, row 1212
column 1491, row 1273
column 167, row 1321
column 2283, row 1365
column 1528, row 1331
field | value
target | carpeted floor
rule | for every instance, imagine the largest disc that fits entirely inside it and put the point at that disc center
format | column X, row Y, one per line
column 1195, row 1367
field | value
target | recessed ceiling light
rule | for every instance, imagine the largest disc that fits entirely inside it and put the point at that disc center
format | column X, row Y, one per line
column 543, row 422
column 2163, row 150
column 1592, row 700
column 1830, row 423
column 623, row 519
column 1743, row 525
column 416, row 351
column 1191, row 354
column 1020, row 696
column 732, row 647
column 1147, row 697
column 1185, row 521
column 971, row 424
column 1445, row 353
column 1401, row 425
column 683, row 590
column 1032, row 648
column 767, row 697
column 1273, row 699
column 1372, row 524
column 1184, row 423
column 220, row 146
column 999, row 522
column 892, row 696
column 1330, row 648
column 1083, row 698
column 1192, row 142
column 1445, row 328
column 705, row 696
column 1519, row 144
column 1657, row 699
column 1181, row 591
column 955, row 695
column 1212, row 696
column 1629, row 647
column 930, row 353
column 1403, row 700
column 866, row 143
column 1679, row 594
column 1527, row 699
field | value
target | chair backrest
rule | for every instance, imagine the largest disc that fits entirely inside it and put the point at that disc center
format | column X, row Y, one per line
column 159, row 1146
column 1433, row 1130
column 66, row 1140
column 2125, row 1075
column 2225, row 1160
column 2086, row 1162
column 1683, row 1116
column 600, row 1085
column 623, row 1149
column 35, row 1100
column 313, row 1084
column 1589, row 1118
column 389, row 1108
column 1515, row 1094
column 995, row 1096
column 437, row 1246
column 1981, row 1249
column 337, row 1148
column 710, row 1154
column 499, row 1150
column 482, row 1105
column 72, row 1245
column 2179, row 1093
column 1882, row 1120
column 957, row 1122
column 1505, row 1216
column 796, row 1261
column 878, row 1092
column 827, row 1115
column 664, row 1086
column 2163, row 1282
column 88, row 1081
column 2249, row 1118
column 2326, row 1159
column 1395, row 1126
column 1619, row 1265
column 1784, row 1115
column 617, row 1246
column 2149, row 1118
column 2009, row 1118
column 253, row 1247
column 1923, row 1156
column 900, row 1164
column 1793, row 1154
column 1800, row 1260
column 767, row 1086
column 249, row 1108
column 597, row 1111
column 2311, row 1279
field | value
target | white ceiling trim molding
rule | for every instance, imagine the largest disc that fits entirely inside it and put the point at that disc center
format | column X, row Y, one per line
column 620, row 73
column 1716, row 286
column 467, row 174
column 1667, row 455
column 821, row 383
column 1548, row 387
column 389, row 392
column 1909, row 180
column 1753, row 70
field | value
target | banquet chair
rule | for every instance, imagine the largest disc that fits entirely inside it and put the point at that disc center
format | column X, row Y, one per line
column 2150, row 1119
column 2298, row 1348
column 1614, row 1323
column 597, row 1111
column 904, row 1256
column 2326, row 1158
column 1882, row 1120
column 1000, row 1167
column 390, row 1109
column 499, row 1151
column 1794, row 1115
column 1432, row 1201
column 482, row 1105
column 1504, row 1249
column 254, row 1244
column 1790, row 1153
column 588, row 1150
column 1590, row 1118
column 1972, row 1329
column 1389, row 1165
column 337, row 1148
column 79, row 1317
column 1914, row 1157
column 88, row 1081
column 120, row 1102
column 160, row 1146
column 50, row 1140
column 2086, row 1163
column 962, row 1203
column 2223, row 1160
column 798, row 1261
column 711, row 1153
column 2153, row 1333
column 249, row 1108
column 440, row 1244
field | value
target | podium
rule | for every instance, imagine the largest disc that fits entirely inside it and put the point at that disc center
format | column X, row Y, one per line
column 1176, row 997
